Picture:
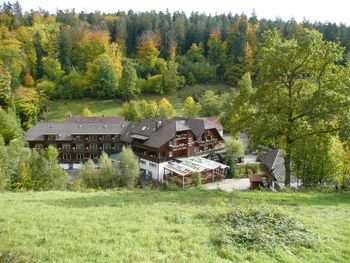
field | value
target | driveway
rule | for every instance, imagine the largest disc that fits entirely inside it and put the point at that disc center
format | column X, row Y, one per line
column 229, row 185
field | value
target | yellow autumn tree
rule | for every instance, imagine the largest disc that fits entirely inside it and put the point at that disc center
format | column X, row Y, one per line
column 166, row 110
column 87, row 112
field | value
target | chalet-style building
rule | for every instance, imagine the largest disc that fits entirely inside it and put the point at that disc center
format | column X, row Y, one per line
column 159, row 144
column 79, row 138
column 156, row 142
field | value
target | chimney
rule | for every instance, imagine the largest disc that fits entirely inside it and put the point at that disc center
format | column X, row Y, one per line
column 158, row 124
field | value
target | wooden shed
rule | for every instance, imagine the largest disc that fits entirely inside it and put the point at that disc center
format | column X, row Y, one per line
column 255, row 181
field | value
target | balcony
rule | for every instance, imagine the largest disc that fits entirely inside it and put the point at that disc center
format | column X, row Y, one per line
column 180, row 137
column 207, row 141
column 215, row 149
column 66, row 150
column 178, row 147
column 151, row 158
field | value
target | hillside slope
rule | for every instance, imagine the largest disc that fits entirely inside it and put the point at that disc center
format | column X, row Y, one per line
column 59, row 109
column 156, row 226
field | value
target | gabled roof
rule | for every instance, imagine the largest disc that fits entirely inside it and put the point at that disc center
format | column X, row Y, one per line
column 211, row 123
column 269, row 158
column 274, row 161
column 65, row 130
column 158, row 132
column 199, row 125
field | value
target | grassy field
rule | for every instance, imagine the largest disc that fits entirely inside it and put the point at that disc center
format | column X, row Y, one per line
column 157, row 226
column 59, row 109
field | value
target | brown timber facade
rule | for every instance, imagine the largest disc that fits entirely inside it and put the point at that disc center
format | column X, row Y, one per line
column 155, row 142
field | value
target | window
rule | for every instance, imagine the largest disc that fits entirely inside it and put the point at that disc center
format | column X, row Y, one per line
column 66, row 156
column 149, row 173
column 79, row 137
column 152, row 164
column 80, row 156
column 143, row 161
column 116, row 147
column 106, row 137
column 93, row 146
column 66, row 146
column 80, row 146
column 51, row 137
column 94, row 156
column 106, row 146
column 93, row 137
column 38, row 146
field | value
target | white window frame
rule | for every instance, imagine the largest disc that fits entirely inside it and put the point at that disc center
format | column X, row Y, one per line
column 93, row 146
column 107, row 148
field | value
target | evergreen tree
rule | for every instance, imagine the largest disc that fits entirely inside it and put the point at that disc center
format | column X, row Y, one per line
column 65, row 49
column 40, row 53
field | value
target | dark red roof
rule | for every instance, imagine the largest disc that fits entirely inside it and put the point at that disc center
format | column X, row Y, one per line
column 254, row 178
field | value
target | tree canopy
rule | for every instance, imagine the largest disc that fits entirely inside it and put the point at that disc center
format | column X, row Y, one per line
column 304, row 92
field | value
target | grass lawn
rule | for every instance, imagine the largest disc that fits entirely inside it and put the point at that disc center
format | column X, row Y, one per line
column 59, row 109
column 157, row 226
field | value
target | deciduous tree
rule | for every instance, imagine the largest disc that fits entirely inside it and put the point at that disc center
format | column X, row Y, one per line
column 129, row 168
column 303, row 92
column 190, row 108
column 102, row 77
column 128, row 88
column 166, row 110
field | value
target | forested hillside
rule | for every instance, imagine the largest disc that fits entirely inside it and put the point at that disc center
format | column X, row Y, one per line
column 119, row 55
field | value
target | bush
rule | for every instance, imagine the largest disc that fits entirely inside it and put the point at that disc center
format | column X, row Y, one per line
column 196, row 180
column 264, row 229
column 239, row 172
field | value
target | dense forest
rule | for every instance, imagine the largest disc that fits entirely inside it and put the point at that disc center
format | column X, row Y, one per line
column 73, row 55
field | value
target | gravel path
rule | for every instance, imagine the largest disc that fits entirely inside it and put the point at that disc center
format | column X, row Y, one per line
column 229, row 185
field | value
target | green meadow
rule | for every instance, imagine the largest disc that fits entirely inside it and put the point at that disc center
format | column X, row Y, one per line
column 59, row 110
column 158, row 226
